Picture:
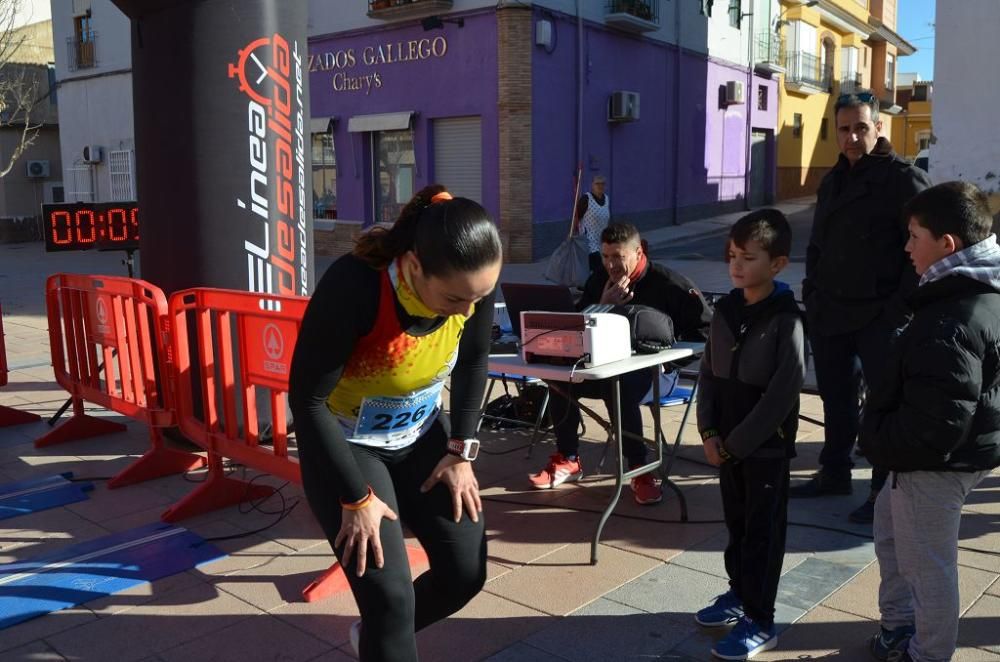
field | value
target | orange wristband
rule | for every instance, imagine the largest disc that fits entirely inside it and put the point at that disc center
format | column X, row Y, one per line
column 363, row 503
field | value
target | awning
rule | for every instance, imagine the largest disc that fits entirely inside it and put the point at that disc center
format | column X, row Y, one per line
column 321, row 124
column 380, row 122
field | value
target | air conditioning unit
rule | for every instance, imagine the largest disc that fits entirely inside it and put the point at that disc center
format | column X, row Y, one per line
column 93, row 154
column 623, row 106
column 734, row 92
column 37, row 169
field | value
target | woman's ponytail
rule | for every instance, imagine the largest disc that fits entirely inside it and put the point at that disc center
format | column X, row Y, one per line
column 447, row 234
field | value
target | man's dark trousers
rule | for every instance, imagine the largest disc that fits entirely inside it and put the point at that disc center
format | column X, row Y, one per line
column 841, row 361
column 755, row 504
column 566, row 415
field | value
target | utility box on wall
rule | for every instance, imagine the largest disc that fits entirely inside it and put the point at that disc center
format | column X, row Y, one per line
column 93, row 154
column 37, row 169
column 623, row 106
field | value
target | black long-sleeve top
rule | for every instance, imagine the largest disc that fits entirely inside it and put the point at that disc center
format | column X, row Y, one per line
column 343, row 310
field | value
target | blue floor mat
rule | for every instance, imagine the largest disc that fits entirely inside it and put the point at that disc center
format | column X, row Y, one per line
column 94, row 569
column 28, row 496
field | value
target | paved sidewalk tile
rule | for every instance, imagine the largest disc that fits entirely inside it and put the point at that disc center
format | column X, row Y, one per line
column 810, row 582
column 487, row 625
column 179, row 617
column 522, row 652
column 562, row 581
column 860, row 596
column 980, row 625
column 260, row 637
column 607, row 630
column 823, row 633
column 671, row 590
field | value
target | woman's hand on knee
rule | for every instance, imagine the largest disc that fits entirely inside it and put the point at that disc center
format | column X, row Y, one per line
column 457, row 474
column 359, row 529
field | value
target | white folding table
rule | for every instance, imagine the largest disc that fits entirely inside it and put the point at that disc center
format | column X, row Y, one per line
column 513, row 364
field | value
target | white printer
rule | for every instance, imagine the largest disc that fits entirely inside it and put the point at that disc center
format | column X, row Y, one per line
column 589, row 339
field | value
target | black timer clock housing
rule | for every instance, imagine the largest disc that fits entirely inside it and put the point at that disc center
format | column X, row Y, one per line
column 81, row 226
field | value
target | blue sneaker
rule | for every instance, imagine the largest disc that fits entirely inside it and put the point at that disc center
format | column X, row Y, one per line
column 726, row 610
column 745, row 640
column 886, row 641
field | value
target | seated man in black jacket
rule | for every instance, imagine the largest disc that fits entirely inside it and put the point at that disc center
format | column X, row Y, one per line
column 628, row 277
column 935, row 421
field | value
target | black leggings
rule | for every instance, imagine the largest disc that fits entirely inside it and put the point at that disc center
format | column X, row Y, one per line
column 393, row 605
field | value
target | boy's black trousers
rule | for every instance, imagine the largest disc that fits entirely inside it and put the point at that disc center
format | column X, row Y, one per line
column 755, row 503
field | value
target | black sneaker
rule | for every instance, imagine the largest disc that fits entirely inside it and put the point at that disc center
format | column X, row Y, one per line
column 820, row 485
column 865, row 513
column 886, row 643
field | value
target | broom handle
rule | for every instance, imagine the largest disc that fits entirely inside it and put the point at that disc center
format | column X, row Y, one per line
column 576, row 198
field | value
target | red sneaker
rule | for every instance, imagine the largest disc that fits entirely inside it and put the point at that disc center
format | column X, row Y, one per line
column 646, row 489
column 558, row 471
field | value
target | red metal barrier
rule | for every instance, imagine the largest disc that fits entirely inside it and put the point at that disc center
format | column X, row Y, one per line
column 107, row 336
column 244, row 342
column 9, row 415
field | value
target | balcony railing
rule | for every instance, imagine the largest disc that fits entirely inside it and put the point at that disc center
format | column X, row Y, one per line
column 769, row 53
column 633, row 15
column 804, row 72
column 402, row 9
column 82, row 51
column 850, row 83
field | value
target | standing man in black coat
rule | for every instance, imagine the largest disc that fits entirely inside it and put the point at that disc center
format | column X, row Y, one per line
column 857, row 276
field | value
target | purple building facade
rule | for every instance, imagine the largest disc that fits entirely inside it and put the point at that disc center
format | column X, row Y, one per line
column 493, row 114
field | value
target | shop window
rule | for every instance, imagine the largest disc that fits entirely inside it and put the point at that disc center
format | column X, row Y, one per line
column 324, row 173
column 761, row 97
column 797, row 125
column 394, row 164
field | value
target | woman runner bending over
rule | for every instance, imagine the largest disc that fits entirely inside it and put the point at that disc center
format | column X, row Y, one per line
column 385, row 328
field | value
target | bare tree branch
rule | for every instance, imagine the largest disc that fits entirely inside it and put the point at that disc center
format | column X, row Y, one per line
column 19, row 86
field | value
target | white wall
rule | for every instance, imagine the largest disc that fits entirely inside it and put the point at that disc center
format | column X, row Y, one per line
column 114, row 44
column 95, row 103
column 95, row 112
column 966, row 97
column 327, row 16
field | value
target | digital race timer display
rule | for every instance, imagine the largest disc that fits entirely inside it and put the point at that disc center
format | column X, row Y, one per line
column 81, row 226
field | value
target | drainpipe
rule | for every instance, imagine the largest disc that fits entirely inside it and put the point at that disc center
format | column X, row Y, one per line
column 679, row 51
column 749, row 109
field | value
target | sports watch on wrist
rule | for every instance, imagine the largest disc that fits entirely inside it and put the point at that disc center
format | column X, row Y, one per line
column 467, row 449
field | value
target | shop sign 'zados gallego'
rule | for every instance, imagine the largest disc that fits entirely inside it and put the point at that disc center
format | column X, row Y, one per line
column 350, row 65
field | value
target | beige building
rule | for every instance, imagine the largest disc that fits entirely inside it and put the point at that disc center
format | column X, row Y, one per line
column 832, row 47
column 911, row 130
column 34, row 178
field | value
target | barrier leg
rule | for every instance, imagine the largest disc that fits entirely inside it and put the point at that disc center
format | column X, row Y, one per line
column 334, row 580
column 157, row 462
column 80, row 426
column 218, row 491
column 11, row 416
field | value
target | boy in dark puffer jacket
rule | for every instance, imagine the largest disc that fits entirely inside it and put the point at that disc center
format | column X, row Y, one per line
column 751, row 375
column 935, row 423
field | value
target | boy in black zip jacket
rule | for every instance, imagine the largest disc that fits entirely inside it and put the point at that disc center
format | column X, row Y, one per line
column 751, row 375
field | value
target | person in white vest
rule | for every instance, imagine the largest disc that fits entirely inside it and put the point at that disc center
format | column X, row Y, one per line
column 593, row 213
